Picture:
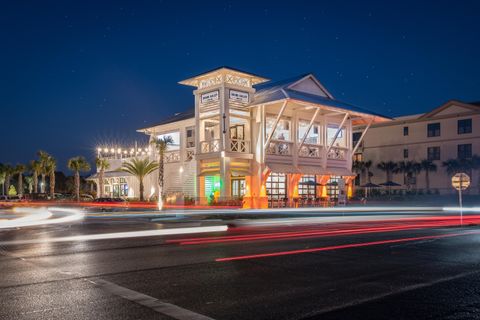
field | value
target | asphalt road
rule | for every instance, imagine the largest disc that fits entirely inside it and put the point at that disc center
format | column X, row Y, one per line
column 346, row 270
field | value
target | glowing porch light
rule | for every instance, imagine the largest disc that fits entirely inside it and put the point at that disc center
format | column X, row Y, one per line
column 112, row 150
column 119, row 150
column 180, row 169
column 99, row 150
column 105, row 150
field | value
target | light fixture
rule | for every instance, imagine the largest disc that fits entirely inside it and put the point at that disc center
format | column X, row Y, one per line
column 105, row 150
column 112, row 150
column 181, row 169
column 119, row 150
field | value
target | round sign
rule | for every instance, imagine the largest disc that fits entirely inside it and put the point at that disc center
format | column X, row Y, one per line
column 461, row 181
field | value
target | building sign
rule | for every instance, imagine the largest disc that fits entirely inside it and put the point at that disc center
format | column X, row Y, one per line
column 210, row 96
column 239, row 96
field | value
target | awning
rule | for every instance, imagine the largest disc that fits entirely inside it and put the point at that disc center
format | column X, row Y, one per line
column 313, row 170
column 240, row 173
column 282, row 168
column 110, row 174
column 340, row 172
column 209, row 173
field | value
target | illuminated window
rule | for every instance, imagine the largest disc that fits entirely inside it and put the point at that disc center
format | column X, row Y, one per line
column 307, row 186
column 340, row 141
column 282, row 132
column 175, row 145
column 276, row 186
column 313, row 136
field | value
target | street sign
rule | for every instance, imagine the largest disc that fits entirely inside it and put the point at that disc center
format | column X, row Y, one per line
column 461, row 181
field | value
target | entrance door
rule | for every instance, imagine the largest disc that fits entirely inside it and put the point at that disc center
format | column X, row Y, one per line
column 238, row 188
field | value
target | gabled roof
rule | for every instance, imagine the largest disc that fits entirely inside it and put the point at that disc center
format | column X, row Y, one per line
column 179, row 116
column 269, row 92
column 448, row 104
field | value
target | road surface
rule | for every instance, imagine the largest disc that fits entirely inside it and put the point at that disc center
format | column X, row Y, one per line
column 402, row 267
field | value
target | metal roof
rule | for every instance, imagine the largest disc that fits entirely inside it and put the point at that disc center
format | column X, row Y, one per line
column 179, row 116
column 280, row 90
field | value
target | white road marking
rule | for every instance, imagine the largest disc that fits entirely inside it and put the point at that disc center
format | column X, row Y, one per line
column 165, row 308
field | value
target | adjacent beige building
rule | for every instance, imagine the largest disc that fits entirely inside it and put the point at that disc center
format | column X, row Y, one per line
column 450, row 131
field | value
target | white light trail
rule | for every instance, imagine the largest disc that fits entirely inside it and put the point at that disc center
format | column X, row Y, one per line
column 41, row 216
column 121, row 235
column 457, row 209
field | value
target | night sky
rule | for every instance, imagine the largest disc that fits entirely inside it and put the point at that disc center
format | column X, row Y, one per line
column 78, row 74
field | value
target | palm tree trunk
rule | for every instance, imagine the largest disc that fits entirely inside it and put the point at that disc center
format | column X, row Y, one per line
column 141, row 189
column 20, row 183
column 77, row 185
column 160, row 174
column 7, row 183
column 427, row 180
column 35, row 182
column 100, row 183
column 52, row 184
column 42, row 185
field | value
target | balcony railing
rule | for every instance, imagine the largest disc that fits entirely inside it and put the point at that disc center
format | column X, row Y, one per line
column 310, row 151
column 280, row 148
column 237, row 145
column 337, row 153
column 190, row 154
column 210, row 146
column 172, row 156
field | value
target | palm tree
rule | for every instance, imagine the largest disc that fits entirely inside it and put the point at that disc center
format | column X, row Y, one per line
column 452, row 166
column 389, row 168
column 51, row 166
column 9, row 171
column 44, row 156
column 102, row 165
column 140, row 168
column 427, row 166
column 368, row 164
column 20, row 169
column 36, row 168
column 2, row 178
column 78, row 164
column 358, row 167
column 161, row 144
column 29, row 181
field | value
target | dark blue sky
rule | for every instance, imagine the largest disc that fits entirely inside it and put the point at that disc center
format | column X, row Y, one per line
column 77, row 74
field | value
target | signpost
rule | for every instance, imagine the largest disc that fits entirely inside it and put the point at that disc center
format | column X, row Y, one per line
column 460, row 182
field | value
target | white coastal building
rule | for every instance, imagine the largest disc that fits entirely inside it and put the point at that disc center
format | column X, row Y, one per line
column 264, row 142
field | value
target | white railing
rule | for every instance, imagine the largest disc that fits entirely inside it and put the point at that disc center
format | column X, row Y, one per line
column 281, row 148
column 310, row 151
column 237, row 145
column 189, row 155
column 172, row 156
column 337, row 153
column 210, row 146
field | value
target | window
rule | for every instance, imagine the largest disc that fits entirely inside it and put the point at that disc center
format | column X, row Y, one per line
column 358, row 157
column 405, row 131
column 282, row 131
column 433, row 153
column 331, row 131
column 355, row 137
column 405, row 153
column 464, row 126
column 276, row 186
column 464, row 151
column 175, row 136
column 433, row 129
column 307, row 186
column 190, row 141
column 313, row 136
column 238, row 188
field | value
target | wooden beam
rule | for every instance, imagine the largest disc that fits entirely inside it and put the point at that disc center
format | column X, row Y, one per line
column 309, row 127
column 274, row 124
column 363, row 135
column 336, row 133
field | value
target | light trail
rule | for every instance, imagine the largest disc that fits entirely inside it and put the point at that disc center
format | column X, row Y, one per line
column 457, row 209
column 344, row 246
column 41, row 216
column 120, row 235
column 385, row 226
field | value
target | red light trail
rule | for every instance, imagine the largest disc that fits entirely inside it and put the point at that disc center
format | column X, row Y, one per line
column 344, row 246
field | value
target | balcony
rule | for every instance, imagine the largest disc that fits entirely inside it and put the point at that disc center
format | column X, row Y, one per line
column 280, row 148
column 172, row 156
column 210, row 146
column 310, row 151
column 237, row 145
column 337, row 153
